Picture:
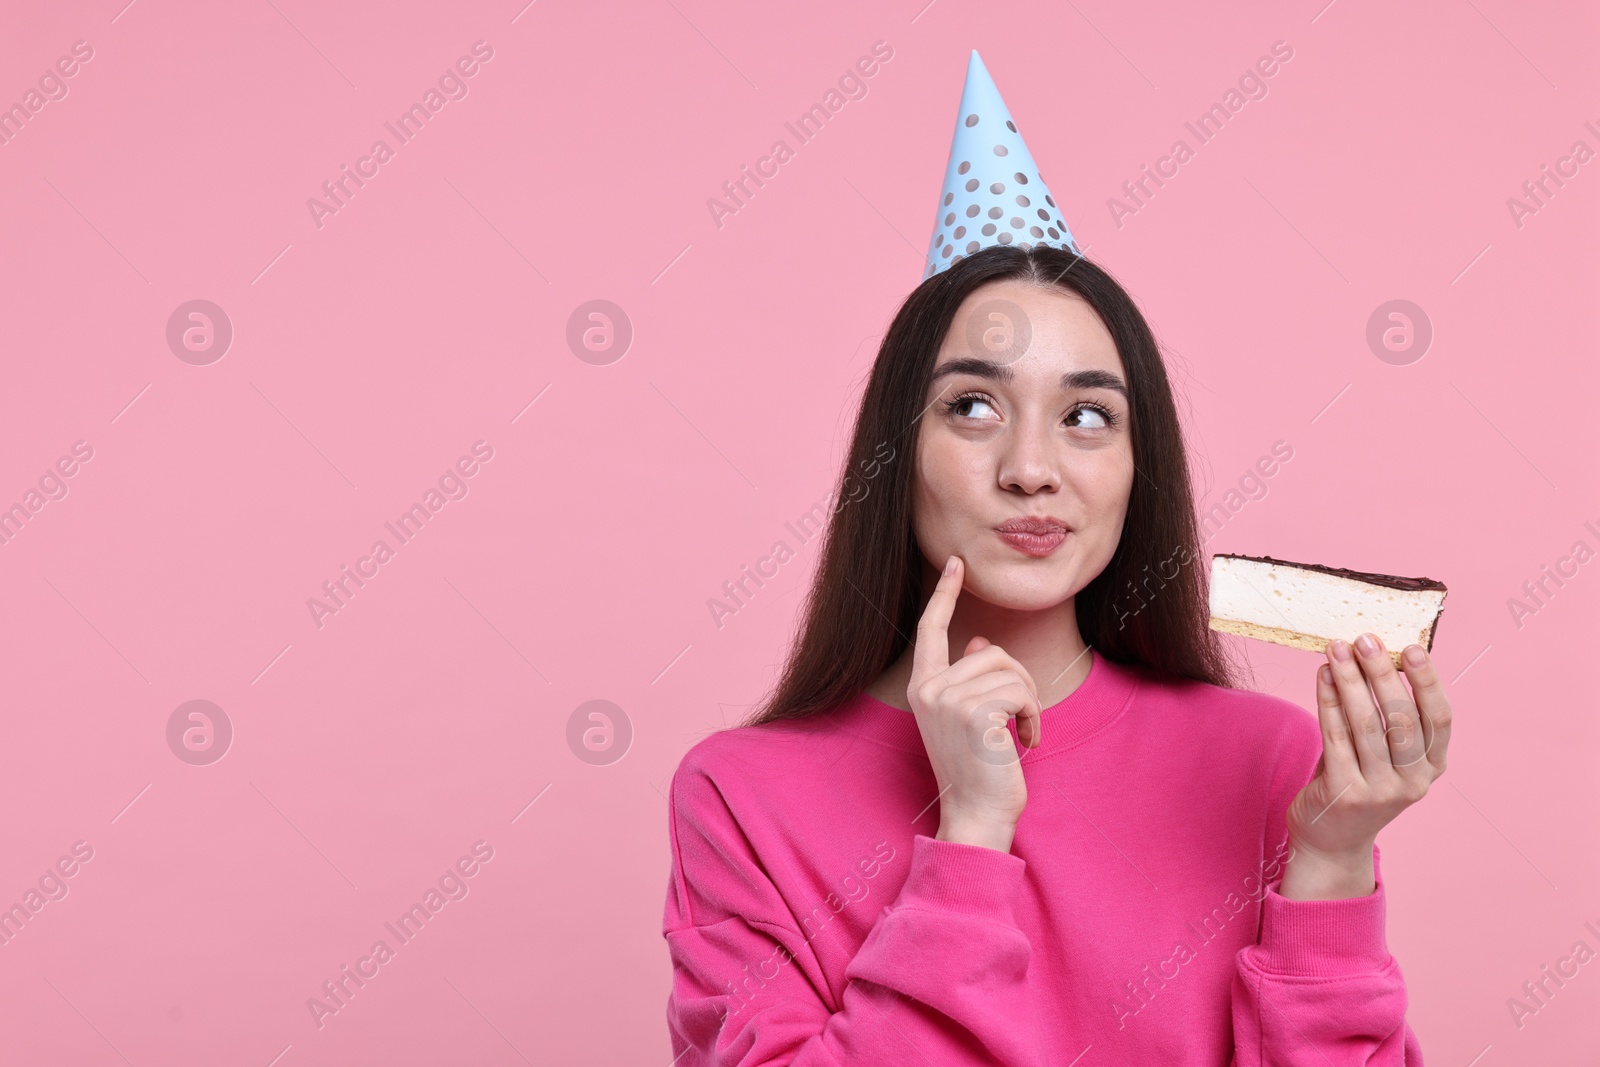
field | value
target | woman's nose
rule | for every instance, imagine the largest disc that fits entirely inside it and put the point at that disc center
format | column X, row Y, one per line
column 1028, row 460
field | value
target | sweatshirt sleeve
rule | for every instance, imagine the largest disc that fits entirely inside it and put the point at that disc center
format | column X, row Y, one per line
column 1319, row 987
column 941, row 978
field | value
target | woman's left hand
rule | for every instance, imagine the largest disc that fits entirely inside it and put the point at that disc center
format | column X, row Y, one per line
column 1369, row 772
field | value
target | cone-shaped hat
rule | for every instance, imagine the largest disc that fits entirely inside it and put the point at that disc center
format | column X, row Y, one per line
column 992, row 191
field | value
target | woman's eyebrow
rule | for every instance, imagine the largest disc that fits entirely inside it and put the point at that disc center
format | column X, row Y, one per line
column 1001, row 372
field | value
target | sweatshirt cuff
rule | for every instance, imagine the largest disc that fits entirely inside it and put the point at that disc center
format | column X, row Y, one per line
column 1323, row 937
column 951, row 876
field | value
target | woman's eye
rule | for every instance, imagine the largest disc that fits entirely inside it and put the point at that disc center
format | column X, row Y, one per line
column 970, row 407
column 1087, row 419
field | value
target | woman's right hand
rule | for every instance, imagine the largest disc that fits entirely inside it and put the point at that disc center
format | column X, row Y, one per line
column 962, row 710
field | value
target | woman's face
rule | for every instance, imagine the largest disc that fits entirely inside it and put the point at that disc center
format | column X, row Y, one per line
column 1026, row 416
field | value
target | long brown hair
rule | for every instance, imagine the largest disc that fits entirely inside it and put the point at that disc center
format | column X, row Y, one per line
column 1149, row 605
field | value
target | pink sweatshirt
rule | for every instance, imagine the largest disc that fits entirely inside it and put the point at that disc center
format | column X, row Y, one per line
column 813, row 919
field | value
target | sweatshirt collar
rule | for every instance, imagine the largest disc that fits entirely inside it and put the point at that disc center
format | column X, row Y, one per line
column 1098, row 701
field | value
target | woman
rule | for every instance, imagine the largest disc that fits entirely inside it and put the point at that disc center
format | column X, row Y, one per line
column 1004, row 806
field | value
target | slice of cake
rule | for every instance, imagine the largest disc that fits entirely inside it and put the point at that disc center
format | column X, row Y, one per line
column 1306, row 605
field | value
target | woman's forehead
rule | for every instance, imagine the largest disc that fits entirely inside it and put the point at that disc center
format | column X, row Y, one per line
column 1033, row 330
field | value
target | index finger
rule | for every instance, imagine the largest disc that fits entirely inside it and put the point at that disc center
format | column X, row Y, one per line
column 1432, row 704
column 933, row 629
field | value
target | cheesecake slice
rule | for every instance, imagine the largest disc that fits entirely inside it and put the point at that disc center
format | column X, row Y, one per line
column 1306, row 605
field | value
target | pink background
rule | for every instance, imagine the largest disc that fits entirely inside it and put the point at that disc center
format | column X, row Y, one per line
column 368, row 354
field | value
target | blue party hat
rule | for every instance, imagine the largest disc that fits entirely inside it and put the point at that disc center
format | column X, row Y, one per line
column 992, row 193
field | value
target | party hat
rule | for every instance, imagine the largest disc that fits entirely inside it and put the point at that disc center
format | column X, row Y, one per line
column 992, row 191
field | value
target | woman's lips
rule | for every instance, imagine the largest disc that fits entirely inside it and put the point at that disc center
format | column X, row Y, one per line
column 1034, row 544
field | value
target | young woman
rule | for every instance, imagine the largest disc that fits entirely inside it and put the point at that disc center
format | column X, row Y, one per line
column 1004, row 806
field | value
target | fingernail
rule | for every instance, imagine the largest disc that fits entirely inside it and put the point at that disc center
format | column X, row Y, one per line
column 1368, row 646
column 1325, row 675
column 1415, row 656
column 950, row 566
column 1341, row 651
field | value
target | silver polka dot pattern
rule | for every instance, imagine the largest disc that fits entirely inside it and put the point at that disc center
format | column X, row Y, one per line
column 982, row 201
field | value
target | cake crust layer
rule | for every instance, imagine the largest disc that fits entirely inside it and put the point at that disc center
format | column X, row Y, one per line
column 1293, row 638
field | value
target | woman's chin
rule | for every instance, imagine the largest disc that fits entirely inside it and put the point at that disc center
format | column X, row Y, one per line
column 1019, row 589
